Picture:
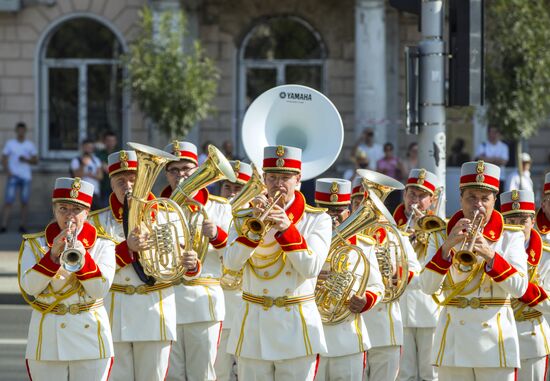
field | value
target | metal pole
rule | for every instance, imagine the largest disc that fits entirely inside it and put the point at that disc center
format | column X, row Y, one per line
column 431, row 153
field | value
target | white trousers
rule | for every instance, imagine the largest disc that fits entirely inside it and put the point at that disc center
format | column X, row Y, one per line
column 341, row 368
column 298, row 369
column 415, row 361
column 448, row 373
column 533, row 369
column 383, row 363
column 81, row 370
column 141, row 361
column 194, row 353
column 225, row 365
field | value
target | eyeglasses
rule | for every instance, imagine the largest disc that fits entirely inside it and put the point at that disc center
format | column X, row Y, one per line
column 177, row 171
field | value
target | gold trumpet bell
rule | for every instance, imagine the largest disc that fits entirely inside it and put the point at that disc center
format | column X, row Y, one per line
column 254, row 187
column 379, row 183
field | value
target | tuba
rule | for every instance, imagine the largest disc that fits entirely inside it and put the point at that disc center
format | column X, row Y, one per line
column 347, row 275
column 162, row 218
column 215, row 168
column 394, row 272
column 465, row 258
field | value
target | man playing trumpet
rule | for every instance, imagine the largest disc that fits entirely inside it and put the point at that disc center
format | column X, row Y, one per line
column 143, row 317
column 277, row 334
column 518, row 208
column 479, row 264
column 199, row 302
column 69, row 332
column 419, row 311
column 348, row 340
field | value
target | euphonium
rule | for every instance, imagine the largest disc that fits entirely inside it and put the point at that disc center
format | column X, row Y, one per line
column 394, row 271
column 465, row 257
column 162, row 218
column 71, row 259
column 215, row 168
column 348, row 275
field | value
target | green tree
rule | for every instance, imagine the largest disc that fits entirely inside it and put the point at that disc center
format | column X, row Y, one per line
column 518, row 67
column 173, row 87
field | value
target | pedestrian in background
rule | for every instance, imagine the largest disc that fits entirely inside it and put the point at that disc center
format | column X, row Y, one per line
column 367, row 145
column 411, row 160
column 110, row 145
column 88, row 167
column 457, row 156
column 17, row 157
column 523, row 182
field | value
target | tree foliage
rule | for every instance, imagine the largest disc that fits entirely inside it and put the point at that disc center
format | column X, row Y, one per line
column 518, row 66
column 173, row 87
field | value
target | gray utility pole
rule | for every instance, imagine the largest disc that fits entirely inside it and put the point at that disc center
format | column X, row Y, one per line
column 431, row 140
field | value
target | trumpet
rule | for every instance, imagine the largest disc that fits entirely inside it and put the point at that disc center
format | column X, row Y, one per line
column 257, row 225
column 71, row 258
column 465, row 258
column 414, row 213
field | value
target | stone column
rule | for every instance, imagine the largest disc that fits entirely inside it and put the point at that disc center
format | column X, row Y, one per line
column 370, row 67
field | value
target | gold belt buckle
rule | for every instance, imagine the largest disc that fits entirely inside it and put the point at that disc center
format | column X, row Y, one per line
column 141, row 289
column 462, row 302
column 475, row 302
column 130, row 290
column 268, row 302
column 281, row 301
column 74, row 309
column 62, row 309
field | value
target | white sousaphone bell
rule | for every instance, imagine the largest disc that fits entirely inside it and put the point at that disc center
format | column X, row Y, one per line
column 297, row 116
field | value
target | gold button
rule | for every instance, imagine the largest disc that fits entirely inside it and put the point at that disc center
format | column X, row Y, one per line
column 485, row 325
column 266, row 273
column 533, row 334
column 288, row 273
column 87, row 326
column 62, row 325
column 462, row 322
column 266, row 290
column 127, row 279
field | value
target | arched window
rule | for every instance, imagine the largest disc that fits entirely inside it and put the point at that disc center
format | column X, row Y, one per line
column 277, row 51
column 81, row 92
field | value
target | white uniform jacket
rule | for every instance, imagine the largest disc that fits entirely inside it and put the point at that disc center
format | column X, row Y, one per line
column 418, row 309
column 351, row 336
column 137, row 312
column 477, row 327
column 533, row 329
column 68, row 320
column 202, row 299
column 384, row 322
column 542, row 225
column 279, row 318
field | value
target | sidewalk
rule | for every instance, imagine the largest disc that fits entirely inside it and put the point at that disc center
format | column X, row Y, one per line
column 9, row 253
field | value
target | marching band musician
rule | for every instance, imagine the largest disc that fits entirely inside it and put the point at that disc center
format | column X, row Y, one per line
column 199, row 302
column 518, row 208
column 233, row 297
column 476, row 336
column 384, row 323
column 142, row 316
column 347, row 341
column 542, row 218
column 420, row 312
column 69, row 333
column 278, row 334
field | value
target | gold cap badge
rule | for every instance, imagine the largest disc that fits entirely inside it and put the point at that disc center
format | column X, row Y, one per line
column 75, row 187
column 280, row 151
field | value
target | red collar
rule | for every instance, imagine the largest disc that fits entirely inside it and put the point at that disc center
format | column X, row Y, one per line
column 399, row 215
column 166, row 192
column 380, row 235
column 542, row 223
column 87, row 235
column 534, row 250
column 117, row 207
column 296, row 210
column 492, row 231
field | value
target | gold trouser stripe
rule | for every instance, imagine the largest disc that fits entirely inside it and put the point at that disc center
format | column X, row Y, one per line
column 501, row 349
column 281, row 301
column 359, row 333
column 162, row 320
column 112, row 309
column 307, row 342
column 63, row 309
column 210, row 302
column 241, row 334
column 101, row 344
column 546, row 348
column 441, row 352
column 141, row 289
column 38, row 354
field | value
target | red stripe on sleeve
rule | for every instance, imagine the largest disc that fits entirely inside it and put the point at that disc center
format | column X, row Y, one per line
column 46, row 266
column 89, row 270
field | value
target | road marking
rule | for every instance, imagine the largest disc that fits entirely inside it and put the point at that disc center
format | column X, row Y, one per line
column 13, row 341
